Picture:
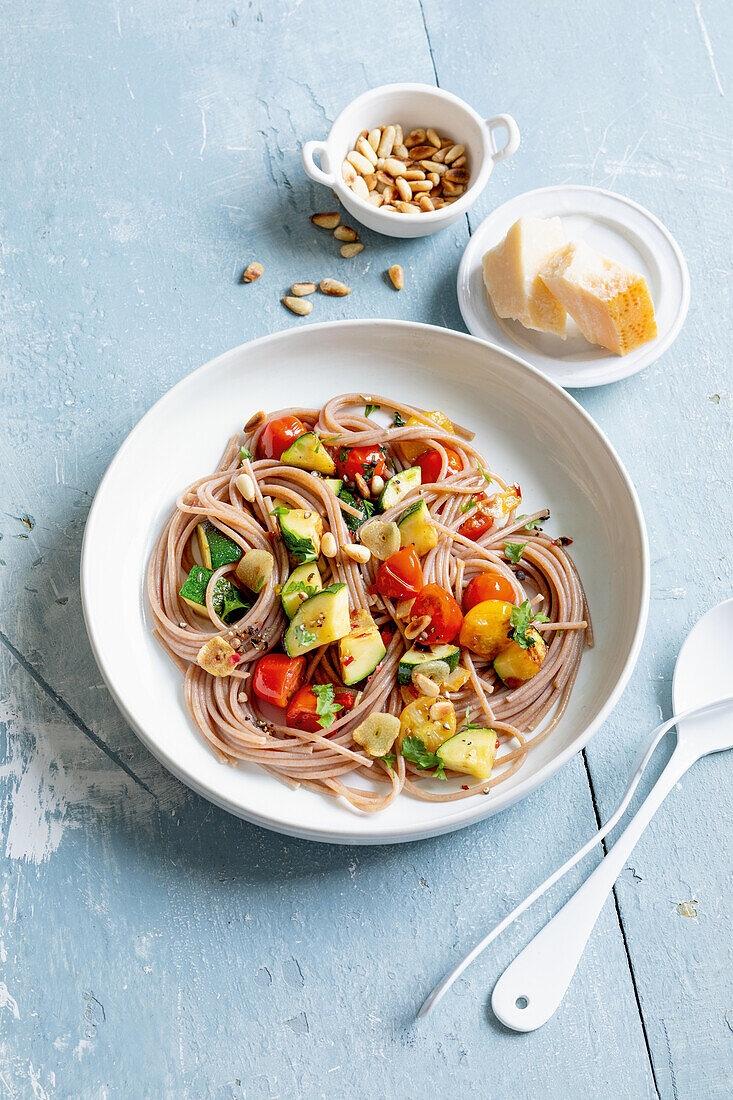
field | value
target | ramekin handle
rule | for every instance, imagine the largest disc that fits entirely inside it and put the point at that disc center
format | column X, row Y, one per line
column 507, row 123
column 311, row 150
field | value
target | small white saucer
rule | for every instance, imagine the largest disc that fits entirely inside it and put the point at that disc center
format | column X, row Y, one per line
column 615, row 226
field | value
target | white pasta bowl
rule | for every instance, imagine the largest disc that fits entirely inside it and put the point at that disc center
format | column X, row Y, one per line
column 413, row 106
column 529, row 431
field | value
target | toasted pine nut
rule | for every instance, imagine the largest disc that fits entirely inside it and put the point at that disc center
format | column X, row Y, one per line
column 362, row 486
column 417, row 626
column 246, row 486
column 440, row 711
column 398, row 136
column 413, row 174
column 380, row 164
column 388, row 193
column 375, row 198
column 397, row 276
column 360, row 162
column 454, row 152
column 408, row 208
column 329, row 546
column 400, row 150
column 452, row 189
column 403, row 188
column 251, row 272
column 374, row 138
column 384, row 179
column 456, row 176
column 370, row 181
column 348, row 172
column 360, row 188
column 334, row 288
column 432, row 137
column 357, row 553
column 460, row 162
column 389, row 209
column 422, row 152
column 439, row 155
column 426, row 203
column 434, row 178
column 345, row 233
column 415, row 137
column 425, row 686
column 348, row 251
column 301, row 306
column 326, row 221
column 376, row 485
column 433, row 166
column 404, row 607
column 255, row 421
column 420, row 185
column 363, row 134
column 387, row 143
column 363, row 147
column 300, row 289
column 395, row 167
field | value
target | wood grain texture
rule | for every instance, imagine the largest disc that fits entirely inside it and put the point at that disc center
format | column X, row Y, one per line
column 150, row 945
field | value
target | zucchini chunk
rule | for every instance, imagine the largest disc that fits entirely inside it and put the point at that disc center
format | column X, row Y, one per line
column 255, row 569
column 413, row 658
column 319, row 620
column 230, row 603
column 416, row 528
column 472, row 752
column 365, row 507
column 416, row 721
column 216, row 548
column 308, row 453
column 377, row 733
column 302, row 532
column 515, row 665
column 303, row 582
column 485, row 629
column 399, row 486
column 335, row 484
column 361, row 650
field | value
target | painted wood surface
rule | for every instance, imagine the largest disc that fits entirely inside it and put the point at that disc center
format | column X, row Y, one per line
column 151, row 945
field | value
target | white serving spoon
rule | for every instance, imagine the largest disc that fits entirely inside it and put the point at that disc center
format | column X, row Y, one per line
column 532, row 987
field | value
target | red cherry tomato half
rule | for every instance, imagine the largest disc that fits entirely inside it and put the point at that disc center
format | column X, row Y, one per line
column 488, row 586
column 400, row 576
column 445, row 615
column 431, row 461
column 366, row 461
column 278, row 435
column 303, row 714
column 277, row 678
column 478, row 523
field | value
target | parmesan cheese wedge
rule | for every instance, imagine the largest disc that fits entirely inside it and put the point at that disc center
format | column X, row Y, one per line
column 610, row 304
column 511, row 274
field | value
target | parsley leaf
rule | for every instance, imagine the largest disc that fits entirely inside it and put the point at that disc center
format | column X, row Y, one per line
column 388, row 759
column 330, row 439
column 344, row 453
column 470, row 503
column 304, row 636
column 325, row 704
column 300, row 586
column 521, row 618
column 413, row 749
column 370, row 409
column 398, row 421
column 486, row 477
column 244, row 452
column 280, row 510
column 513, row 551
column 532, row 525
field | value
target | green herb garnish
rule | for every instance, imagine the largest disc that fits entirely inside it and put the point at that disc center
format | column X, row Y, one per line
column 280, row 510
column 532, row 525
column 300, row 586
column 326, row 705
column 470, row 503
column 521, row 619
column 413, row 749
column 304, row 636
column 486, row 477
column 244, row 452
column 513, row 551
column 398, row 421
column 370, row 409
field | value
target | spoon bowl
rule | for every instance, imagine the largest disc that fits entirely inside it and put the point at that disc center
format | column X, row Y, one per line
column 703, row 674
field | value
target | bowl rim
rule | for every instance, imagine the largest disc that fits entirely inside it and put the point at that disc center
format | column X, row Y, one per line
column 384, row 834
column 475, row 186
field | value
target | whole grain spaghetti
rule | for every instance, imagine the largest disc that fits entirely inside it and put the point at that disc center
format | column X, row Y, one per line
column 355, row 605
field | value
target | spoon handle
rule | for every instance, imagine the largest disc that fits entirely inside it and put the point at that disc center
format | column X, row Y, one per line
column 532, row 987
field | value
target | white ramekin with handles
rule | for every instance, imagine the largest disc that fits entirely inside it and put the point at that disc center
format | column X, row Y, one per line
column 412, row 106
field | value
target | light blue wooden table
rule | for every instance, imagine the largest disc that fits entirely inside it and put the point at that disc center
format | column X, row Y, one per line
column 151, row 945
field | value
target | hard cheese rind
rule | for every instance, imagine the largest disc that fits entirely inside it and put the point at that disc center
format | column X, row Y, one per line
column 610, row 304
column 511, row 274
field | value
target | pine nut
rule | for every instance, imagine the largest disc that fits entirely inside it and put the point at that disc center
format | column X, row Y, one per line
column 348, row 172
column 362, row 486
column 454, row 152
column 425, row 686
column 375, row 198
column 433, row 138
column 255, row 421
column 251, row 272
column 459, row 162
column 413, row 174
column 420, row 185
column 404, row 607
column 415, row 137
column 397, row 276
column 374, row 138
column 400, row 150
column 334, row 288
column 326, row 221
column 348, row 251
column 357, row 553
column 439, row 156
column 360, row 188
column 246, row 486
column 434, row 178
column 345, row 233
column 389, row 192
column 360, row 162
column 422, row 152
column 408, row 208
column 363, row 147
column 440, row 711
column 370, row 181
column 329, row 546
column 301, row 306
column 389, row 209
column 398, row 136
column 426, row 203
column 456, row 175
column 417, row 626
column 387, row 143
column 433, row 166
column 403, row 188
column 395, row 167
column 376, row 485
column 300, row 289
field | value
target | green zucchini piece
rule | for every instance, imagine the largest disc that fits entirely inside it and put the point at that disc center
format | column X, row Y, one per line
column 472, row 752
column 320, row 620
column 335, row 484
column 301, row 531
column 308, row 453
column 303, row 582
column 399, row 486
column 415, row 657
column 361, row 650
column 416, row 528
column 365, row 507
column 216, row 548
column 230, row 603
